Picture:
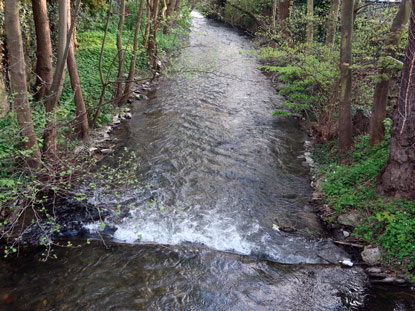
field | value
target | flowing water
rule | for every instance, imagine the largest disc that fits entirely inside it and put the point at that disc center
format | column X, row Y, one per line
column 221, row 175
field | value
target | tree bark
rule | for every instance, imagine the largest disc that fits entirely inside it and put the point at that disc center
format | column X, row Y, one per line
column 81, row 117
column 178, row 7
column 332, row 22
column 377, row 130
column 44, row 63
column 4, row 103
column 310, row 24
column 119, row 85
column 148, row 22
column 131, row 73
column 398, row 176
column 284, row 16
column 345, row 114
column 19, row 84
column 49, row 135
column 152, row 40
column 169, row 16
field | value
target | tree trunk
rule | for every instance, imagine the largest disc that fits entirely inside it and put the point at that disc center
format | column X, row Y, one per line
column 398, row 176
column 4, row 103
column 44, row 54
column 273, row 23
column 148, row 22
column 345, row 114
column 177, row 7
column 81, row 121
column 119, row 85
column 131, row 73
column 49, row 135
column 310, row 24
column 284, row 16
column 152, row 40
column 377, row 130
column 355, row 10
column 332, row 22
column 18, row 82
column 169, row 16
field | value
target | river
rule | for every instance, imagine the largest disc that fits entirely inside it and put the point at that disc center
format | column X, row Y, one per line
column 222, row 175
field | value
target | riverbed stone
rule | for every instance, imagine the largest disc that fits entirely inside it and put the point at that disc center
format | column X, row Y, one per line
column 371, row 255
column 352, row 219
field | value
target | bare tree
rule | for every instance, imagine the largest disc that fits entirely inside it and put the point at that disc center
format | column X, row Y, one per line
column 380, row 99
column 49, row 135
column 81, row 122
column 152, row 40
column 119, row 85
column 398, row 176
column 345, row 110
column 131, row 72
column 19, row 84
column 44, row 53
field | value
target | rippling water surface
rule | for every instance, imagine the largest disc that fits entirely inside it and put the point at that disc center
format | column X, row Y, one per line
column 221, row 172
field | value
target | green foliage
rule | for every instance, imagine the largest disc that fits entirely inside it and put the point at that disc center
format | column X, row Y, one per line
column 308, row 79
column 389, row 223
column 30, row 194
column 352, row 185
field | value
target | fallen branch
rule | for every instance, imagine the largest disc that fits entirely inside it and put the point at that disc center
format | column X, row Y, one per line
column 349, row 244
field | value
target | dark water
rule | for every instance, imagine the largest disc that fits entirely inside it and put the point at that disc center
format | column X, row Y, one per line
column 222, row 175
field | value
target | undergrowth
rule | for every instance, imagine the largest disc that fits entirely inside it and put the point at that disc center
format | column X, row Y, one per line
column 389, row 223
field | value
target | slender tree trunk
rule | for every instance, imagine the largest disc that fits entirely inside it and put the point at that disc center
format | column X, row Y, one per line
column 101, row 73
column 398, row 176
column 355, row 10
column 119, row 85
column 377, row 130
column 152, row 40
column 49, row 135
column 164, row 10
column 310, row 24
column 4, row 103
column 44, row 54
column 345, row 114
column 148, row 23
column 178, row 6
column 332, row 22
column 273, row 23
column 18, row 82
column 169, row 16
column 131, row 73
column 284, row 16
column 81, row 123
